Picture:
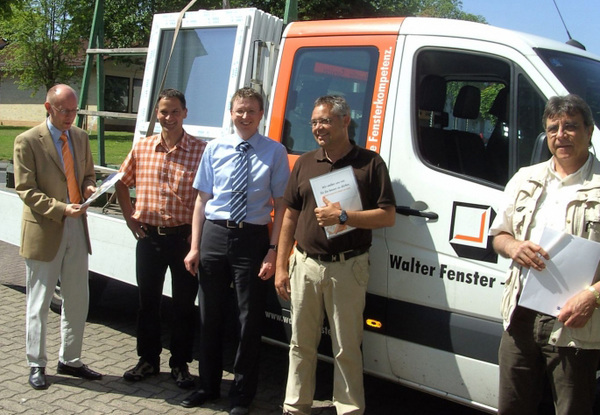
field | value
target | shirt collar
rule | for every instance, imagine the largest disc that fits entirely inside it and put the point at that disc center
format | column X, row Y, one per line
column 253, row 141
column 579, row 176
column 183, row 144
column 55, row 133
column 322, row 157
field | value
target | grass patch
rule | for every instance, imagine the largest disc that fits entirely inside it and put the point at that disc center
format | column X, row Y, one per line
column 7, row 139
column 116, row 144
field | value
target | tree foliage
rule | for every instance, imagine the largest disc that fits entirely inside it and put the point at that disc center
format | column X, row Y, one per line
column 7, row 8
column 127, row 23
column 335, row 9
column 47, row 37
column 44, row 41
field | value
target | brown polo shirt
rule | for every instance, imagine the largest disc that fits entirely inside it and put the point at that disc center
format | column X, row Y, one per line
column 374, row 186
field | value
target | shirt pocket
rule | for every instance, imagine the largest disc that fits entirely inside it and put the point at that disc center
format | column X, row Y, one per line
column 180, row 179
column 592, row 215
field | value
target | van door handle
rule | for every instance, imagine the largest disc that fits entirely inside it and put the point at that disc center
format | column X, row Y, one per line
column 407, row 211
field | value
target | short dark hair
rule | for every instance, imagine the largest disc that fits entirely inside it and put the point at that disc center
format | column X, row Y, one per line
column 172, row 93
column 568, row 105
column 247, row 92
column 337, row 104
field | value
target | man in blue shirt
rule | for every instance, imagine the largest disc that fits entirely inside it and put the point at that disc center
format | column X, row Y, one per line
column 229, row 249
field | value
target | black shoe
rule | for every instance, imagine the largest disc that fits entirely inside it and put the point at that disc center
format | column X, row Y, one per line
column 79, row 372
column 197, row 398
column 37, row 378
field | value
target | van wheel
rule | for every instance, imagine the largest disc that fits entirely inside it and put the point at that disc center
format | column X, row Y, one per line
column 97, row 283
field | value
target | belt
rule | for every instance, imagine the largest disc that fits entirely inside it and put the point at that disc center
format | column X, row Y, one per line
column 334, row 257
column 170, row 230
column 229, row 224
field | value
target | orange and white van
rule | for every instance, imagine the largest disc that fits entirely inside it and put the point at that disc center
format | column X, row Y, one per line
column 453, row 107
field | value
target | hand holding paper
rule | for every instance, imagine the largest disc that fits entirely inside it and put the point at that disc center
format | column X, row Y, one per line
column 578, row 309
column 106, row 184
column 571, row 267
column 328, row 215
column 335, row 190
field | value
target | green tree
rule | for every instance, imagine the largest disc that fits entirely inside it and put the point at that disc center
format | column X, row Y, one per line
column 334, row 9
column 45, row 38
column 7, row 8
column 128, row 23
column 451, row 9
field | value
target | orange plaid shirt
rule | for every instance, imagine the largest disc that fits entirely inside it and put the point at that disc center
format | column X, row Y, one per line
column 163, row 179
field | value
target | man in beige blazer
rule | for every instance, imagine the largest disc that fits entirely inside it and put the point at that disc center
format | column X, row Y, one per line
column 54, row 236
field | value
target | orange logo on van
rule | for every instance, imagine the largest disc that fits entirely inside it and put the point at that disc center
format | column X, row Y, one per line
column 469, row 231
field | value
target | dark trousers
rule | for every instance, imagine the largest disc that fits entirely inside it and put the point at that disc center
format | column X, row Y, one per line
column 153, row 255
column 526, row 359
column 231, row 257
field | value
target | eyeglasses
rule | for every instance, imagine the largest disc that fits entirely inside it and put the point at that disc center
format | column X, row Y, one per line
column 567, row 127
column 323, row 121
column 65, row 112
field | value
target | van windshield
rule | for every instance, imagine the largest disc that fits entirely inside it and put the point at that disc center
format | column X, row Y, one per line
column 578, row 74
column 346, row 71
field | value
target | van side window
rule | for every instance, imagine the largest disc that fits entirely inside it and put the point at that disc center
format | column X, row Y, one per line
column 530, row 109
column 463, row 107
column 346, row 71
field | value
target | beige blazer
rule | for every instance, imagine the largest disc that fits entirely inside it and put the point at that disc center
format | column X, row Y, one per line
column 41, row 183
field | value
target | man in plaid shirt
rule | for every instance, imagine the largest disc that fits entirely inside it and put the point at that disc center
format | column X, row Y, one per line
column 162, row 168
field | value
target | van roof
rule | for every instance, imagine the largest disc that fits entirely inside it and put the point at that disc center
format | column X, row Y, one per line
column 426, row 26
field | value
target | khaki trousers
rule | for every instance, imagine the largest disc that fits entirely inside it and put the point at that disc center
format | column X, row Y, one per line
column 70, row 266
column 338, row 289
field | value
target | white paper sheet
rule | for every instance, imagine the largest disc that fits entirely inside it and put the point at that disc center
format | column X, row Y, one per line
column 571, row 267
column 100, row 190
column 338, row 187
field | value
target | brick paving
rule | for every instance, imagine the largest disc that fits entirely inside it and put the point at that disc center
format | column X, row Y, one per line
column 109, row 347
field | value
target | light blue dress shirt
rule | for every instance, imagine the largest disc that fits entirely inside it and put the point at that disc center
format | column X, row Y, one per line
column 267, row 177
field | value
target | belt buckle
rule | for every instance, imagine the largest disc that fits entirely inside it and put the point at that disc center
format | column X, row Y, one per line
column 229, row 224
column 160, row 230
column 334, row 257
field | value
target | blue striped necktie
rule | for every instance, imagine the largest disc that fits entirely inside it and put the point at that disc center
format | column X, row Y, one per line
column 239, row 185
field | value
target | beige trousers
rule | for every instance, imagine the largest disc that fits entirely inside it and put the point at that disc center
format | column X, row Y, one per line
column 338, row 289
column 70, row 266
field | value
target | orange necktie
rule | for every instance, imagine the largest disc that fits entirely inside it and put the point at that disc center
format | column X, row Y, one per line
column 72, row 187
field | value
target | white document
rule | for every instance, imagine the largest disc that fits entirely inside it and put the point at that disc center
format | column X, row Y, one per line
column 340, row 188
column 100, row 190
column 570, row 269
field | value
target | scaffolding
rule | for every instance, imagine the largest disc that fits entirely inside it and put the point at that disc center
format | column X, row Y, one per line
column 96, row 49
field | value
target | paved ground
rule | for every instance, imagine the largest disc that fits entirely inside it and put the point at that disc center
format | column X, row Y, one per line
column 109, row 347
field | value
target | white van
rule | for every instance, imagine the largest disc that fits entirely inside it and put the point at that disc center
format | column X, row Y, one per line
column 454, row 107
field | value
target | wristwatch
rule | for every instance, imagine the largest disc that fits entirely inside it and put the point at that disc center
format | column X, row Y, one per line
column 273, row 247
column 343, row 217
column 591, row 289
